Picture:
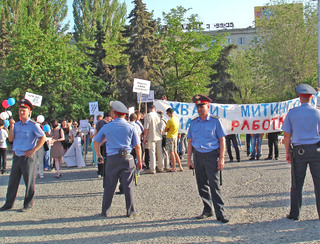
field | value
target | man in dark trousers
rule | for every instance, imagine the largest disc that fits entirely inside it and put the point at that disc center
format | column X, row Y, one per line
column 206, row 141
column 232, row 138
column 273, row 143
column 27, row 138
column 302, row 143
column 120, row 138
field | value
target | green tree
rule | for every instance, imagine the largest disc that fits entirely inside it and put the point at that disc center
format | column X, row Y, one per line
column 110, row 14
column 47, row 14
column 4, row 40
column 221, row 88
column 245, row 69
column 45, row 64
column 98, row 69
column 187, row 55
column 122, row 86
column 143, row 47
column 287, row 49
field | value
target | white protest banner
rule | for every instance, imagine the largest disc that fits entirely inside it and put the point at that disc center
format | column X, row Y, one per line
column 131, row 110
column 237, row 119
column 146, row 98
column 84, row 125
column 93, row 107
column 96, row 115
column 141, row 86
column 35, row 99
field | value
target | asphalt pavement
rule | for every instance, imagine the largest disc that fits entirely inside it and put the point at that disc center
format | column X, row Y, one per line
column 256, row 195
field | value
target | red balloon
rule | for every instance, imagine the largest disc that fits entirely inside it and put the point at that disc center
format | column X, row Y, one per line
column 5, row 104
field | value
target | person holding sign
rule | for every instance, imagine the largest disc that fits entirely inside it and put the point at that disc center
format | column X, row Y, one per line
column 206, row 141
column 302, row 143
column 27, row 138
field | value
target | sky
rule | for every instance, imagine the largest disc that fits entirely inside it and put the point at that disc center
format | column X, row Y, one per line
column 239, row 12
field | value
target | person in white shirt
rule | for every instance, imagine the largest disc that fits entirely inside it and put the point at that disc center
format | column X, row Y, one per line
column 3, row 147
column 153, row 138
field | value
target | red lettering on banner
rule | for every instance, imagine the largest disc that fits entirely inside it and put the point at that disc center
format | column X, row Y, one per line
column 255, row 125
column 281, row 119
column 245, row 123
column 264, row 124
column 258, row 124
column 274, row 123
column 235, row 123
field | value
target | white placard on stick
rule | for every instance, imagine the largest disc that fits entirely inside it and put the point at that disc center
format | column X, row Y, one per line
column 84, row 125
column 34, row 99
column 141, row 86
column 146, row 98
column 93, row 107
column 131, row 110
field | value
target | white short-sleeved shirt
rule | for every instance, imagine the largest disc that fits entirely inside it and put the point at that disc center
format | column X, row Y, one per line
column 152, row 123
column 3, row 138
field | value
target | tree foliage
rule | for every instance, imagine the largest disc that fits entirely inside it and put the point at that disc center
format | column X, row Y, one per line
column 187, row 55
column 245, row 73
column 109, row 13
column 46, row 14
column 221, row 88
column 143, row 47
column 98, row 70
column 46, row 65
column 287, row 49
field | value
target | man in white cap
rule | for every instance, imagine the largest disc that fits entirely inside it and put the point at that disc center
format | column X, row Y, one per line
column 120, row 137
column 302, row 142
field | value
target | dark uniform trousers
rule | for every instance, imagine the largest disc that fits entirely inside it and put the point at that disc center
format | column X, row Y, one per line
column 273, row 142
column 103, row 154
column 310, row 156
column 206, row 168
column 248, row 143
column 124, row 168
column 21, row 166
column 232, row 138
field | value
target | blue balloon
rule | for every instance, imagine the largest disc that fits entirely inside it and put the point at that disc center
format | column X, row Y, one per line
column 11, row 101
column 6, row 123
column 46, row 128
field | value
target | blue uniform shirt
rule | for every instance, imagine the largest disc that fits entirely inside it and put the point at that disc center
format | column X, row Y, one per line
column 304, row 124
column 205, row 134
column 25, row 136
column 119, row 135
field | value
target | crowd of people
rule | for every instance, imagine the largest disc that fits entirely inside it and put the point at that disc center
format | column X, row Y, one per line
column 160, row 131
column 120, row 142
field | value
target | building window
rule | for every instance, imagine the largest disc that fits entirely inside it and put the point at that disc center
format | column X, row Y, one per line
column 241, row 41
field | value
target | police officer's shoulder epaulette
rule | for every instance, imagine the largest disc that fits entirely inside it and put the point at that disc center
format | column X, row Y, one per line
column 215, row 117
column 195, row 118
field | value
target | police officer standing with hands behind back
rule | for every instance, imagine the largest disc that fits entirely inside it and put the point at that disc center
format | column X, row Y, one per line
column 27, row 138
column 120, row 137
column 302, row 128
column 206, row 141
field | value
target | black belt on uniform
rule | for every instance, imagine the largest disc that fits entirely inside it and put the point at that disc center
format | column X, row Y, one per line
column 301, row 148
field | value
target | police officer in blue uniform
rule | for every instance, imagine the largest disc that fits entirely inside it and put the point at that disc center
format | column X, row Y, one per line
column 206, row 141
column 302, row 143
column 120, row 138
column 27, row 138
